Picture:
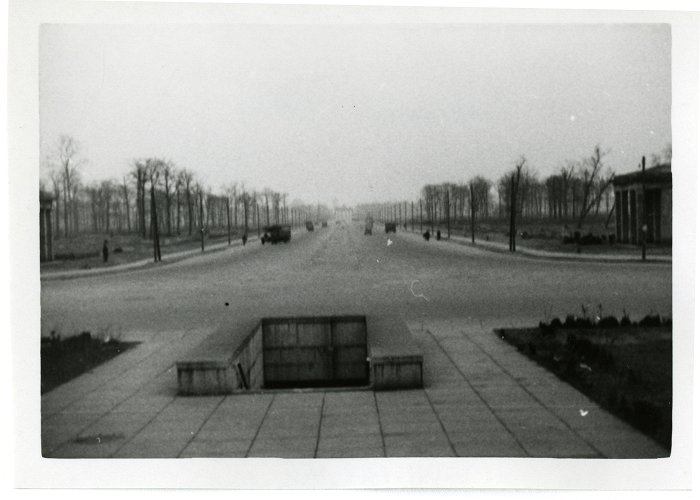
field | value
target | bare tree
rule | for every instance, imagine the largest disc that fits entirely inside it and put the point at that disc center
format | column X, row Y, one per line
column 67, row 156
column 140, row 174
column 482, row 195
column 567, row 174
column 125, row 196
column 591, row 169
column 106, row 191
column 515, row 180
column 56, row 182
column 168, row 171
column 266, row 194
column 186, row 179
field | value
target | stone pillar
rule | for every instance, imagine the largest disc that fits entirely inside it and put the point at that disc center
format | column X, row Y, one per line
column 625, row 216
column 618, row 216
column 635, row 215
column 666, row 229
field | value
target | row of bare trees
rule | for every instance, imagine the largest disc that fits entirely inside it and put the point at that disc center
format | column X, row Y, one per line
column 580, row 189
column 154, row 193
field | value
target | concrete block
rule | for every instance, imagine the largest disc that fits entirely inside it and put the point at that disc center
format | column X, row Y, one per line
column 205, row 378
column 396, row 361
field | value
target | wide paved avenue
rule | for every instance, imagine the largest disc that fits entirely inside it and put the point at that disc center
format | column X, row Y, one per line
column 340, row 270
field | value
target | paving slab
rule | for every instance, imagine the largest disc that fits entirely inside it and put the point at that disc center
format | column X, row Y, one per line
column 358, row 446
column 481, row 398
column 286, row 447
column 217, row 448
column 418, row 444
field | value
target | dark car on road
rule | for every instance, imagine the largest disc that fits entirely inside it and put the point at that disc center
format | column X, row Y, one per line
column 276, row 233
column 390, row 227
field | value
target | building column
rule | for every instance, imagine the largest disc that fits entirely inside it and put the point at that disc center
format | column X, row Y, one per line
column 618, row 216
column 625, row 217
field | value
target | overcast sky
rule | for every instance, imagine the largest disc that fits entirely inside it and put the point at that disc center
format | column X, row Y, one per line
column 354, row 113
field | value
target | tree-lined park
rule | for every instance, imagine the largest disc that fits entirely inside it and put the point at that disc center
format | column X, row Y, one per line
column 156, row 199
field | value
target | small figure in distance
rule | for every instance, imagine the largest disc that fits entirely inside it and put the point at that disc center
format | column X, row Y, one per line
column 105, row 252
column 245, row 238
column 438, row 236
column 426, row 235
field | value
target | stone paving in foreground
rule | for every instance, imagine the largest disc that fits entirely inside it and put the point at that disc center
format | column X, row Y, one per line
column 481, row 399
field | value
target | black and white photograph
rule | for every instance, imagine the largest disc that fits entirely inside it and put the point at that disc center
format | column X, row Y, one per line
column 456, row 244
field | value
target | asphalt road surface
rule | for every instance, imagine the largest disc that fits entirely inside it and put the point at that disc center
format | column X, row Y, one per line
column 338, row 270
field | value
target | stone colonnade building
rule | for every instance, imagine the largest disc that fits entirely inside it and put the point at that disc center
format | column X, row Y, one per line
column 658, row 208
column 45, row 229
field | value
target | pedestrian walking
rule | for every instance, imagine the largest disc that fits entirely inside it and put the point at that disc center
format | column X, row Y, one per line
column 438, row 236
column 245, row 238
column 426, row 235
column 105, row 252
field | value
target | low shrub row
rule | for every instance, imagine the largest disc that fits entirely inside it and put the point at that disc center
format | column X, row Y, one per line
column 582, row 322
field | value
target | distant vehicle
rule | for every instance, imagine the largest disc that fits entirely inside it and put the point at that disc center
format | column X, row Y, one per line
column 309, row 225
column 390, row 227
column 369, row 222
column 276, row 233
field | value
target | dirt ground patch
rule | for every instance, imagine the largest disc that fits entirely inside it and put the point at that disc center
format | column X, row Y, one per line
column 627, row 370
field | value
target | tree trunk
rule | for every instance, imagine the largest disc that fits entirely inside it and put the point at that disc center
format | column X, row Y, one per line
column 189, row 209
column 154, row 228
column 167, row 203
column 126, row 206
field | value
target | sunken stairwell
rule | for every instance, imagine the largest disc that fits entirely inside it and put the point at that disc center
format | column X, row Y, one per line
column 304, row 352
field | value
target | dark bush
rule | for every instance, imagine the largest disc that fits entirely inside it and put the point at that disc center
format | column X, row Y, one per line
column 583, row 323
column 647, row 415
column 611, row 239
column 555, row 323
column 567, row 240
column 118, row 250
column 531, row 349
column 549, row 329
column 650, row 320
column 570, row 321
column 575, row 322
column 609, row 322
column 625, row 321
column 589, row 239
